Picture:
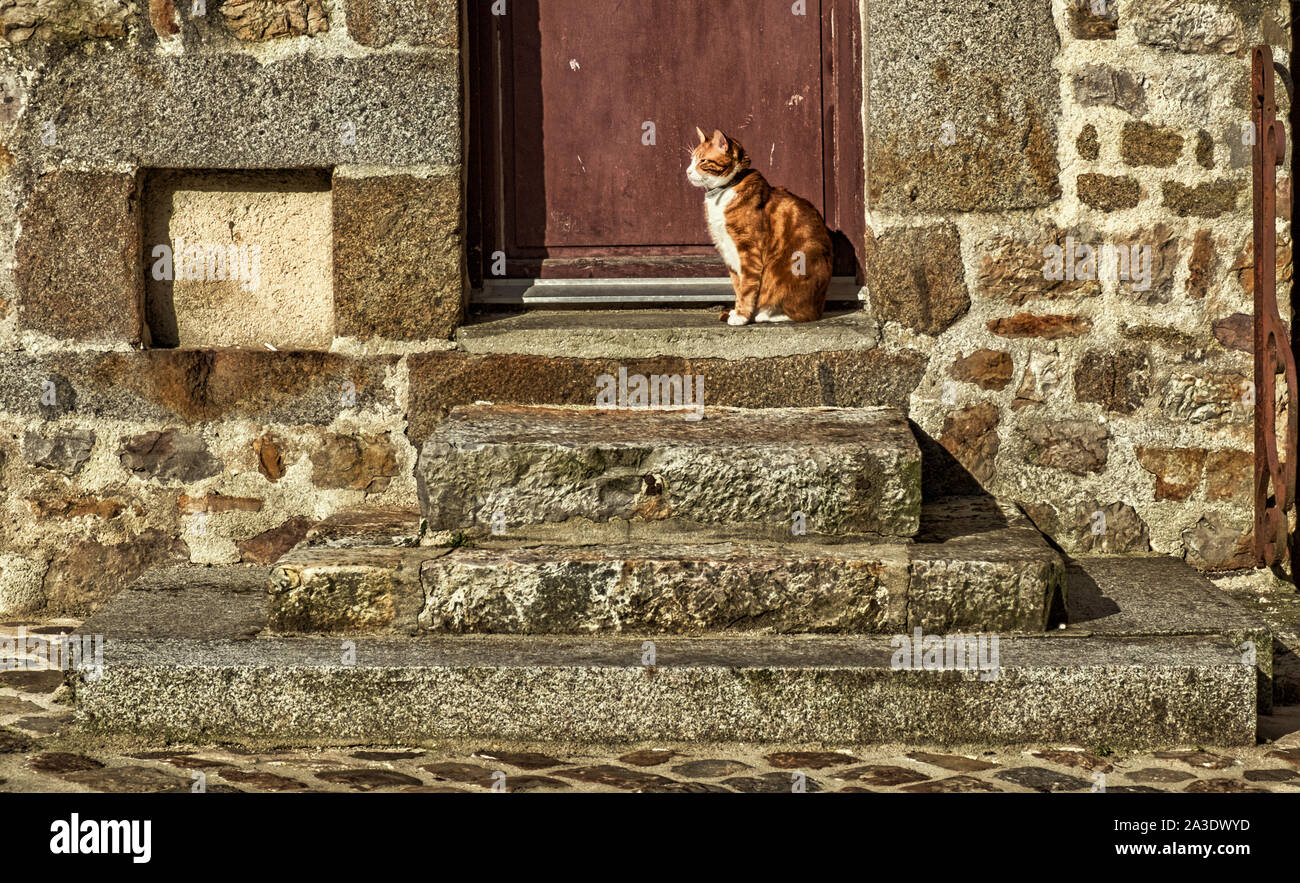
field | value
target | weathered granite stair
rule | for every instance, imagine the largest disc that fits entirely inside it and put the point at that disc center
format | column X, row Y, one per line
column 831, row 471
column 975, row 566
column 553, row 357
column 1139, row 595
column 599, row 576
column 187, row 658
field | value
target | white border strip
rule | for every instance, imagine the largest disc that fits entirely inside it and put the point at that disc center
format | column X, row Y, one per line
column 695, row 290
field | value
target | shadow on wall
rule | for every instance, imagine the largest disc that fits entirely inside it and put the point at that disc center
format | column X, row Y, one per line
column 941, row 473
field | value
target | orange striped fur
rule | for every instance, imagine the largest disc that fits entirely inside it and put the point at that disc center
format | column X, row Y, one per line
column 775, row 244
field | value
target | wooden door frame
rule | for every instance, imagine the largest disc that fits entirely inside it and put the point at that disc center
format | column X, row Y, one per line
column 843, row 158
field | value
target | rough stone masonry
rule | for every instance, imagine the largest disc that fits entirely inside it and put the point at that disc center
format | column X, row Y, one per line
column 998, row 129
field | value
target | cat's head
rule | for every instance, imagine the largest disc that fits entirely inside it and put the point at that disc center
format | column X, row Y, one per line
column 716, row 160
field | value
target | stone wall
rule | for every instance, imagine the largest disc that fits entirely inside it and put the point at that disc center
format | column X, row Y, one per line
column 995, row 128
column 115, row 456
column 1113, row 408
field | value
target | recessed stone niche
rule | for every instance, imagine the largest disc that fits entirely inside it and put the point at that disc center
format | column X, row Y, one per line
column 238, row 258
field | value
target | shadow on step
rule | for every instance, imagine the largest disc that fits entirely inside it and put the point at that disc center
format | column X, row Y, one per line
column 950, row 518
column 1087, row 600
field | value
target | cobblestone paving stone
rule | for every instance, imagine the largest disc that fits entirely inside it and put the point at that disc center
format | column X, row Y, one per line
column 40, row 750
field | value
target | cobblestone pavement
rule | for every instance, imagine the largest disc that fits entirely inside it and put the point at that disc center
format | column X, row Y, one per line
column 41, row 751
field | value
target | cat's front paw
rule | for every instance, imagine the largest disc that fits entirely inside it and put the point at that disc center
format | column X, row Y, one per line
column 734, row 318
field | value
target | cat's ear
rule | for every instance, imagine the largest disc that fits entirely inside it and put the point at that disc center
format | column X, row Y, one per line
column 700, row 132
column 720, row 140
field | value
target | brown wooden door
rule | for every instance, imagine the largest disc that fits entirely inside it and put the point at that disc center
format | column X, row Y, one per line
column 588, row 110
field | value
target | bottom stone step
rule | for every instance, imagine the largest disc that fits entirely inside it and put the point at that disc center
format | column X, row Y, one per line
column 192, row 686
column 1153, row 658
column 1131, row 693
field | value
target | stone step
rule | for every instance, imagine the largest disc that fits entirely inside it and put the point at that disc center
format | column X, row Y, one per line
column 557, row 358
column 1140, row 595
column 761, row 377
column 977, row 566
column 1124, row 693
column 828, row 471
column 647, row 333
column 368, row 526
column 187, row 657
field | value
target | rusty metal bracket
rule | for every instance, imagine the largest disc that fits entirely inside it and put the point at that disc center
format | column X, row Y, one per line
column 1275, row 471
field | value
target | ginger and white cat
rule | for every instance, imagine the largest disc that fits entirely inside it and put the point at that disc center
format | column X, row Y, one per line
column 775, row 244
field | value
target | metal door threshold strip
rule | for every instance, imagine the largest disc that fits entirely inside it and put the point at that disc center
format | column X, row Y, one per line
column 632, row 291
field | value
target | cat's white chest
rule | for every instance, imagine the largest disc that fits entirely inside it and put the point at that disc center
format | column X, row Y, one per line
column 716, row 207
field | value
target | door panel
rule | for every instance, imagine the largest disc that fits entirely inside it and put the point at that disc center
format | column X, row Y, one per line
column 564, row 184
column 583, row 176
